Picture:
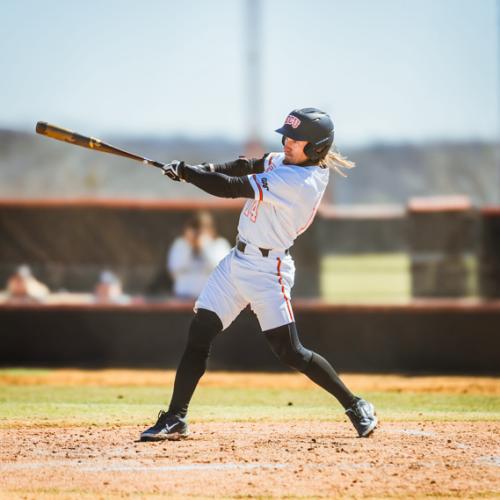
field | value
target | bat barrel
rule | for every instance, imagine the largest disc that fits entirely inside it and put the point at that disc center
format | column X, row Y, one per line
column 41, row 127
column 64, row 135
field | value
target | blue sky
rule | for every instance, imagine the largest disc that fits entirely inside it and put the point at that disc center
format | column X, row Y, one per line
column 387, row 70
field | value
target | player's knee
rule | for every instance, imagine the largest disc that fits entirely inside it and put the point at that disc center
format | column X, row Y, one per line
column 204, row 328
column 296, row 358
column 286, row 346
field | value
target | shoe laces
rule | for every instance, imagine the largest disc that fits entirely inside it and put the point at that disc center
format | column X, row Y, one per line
column 162, row 417
column 358, row 409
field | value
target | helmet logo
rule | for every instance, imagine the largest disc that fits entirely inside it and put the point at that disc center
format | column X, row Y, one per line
column 293, row 121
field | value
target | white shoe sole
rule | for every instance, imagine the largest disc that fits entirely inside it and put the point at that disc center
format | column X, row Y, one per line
column 176, row 436
column 370, row 429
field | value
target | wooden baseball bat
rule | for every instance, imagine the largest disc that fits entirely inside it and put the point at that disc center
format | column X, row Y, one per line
column 61, row 134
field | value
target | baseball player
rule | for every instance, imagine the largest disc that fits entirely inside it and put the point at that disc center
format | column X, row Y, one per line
column 283, row 192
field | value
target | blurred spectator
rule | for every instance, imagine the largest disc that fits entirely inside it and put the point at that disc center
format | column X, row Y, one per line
column 109, row 289
column 22, row 286
column 195, row 254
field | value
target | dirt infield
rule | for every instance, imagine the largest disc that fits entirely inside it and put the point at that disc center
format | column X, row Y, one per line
column 440, row 451
column 404, row 460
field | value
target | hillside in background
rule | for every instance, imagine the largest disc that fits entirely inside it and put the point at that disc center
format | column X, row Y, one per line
column 35, row 167
column 394, row 173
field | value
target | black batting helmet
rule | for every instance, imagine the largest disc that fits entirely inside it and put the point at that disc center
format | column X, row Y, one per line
column 311, row 125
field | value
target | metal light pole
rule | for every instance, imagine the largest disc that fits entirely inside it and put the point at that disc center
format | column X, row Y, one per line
column 497, row 145
column 253, row 78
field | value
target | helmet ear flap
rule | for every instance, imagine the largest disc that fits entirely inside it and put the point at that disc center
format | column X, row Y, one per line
column 311, row 149
column 315, row 151
column 311, row 152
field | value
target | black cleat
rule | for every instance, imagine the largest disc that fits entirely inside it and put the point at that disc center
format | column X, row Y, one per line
column 363, row 417
column 168, row 426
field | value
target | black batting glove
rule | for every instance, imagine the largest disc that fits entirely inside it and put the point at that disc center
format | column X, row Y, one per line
column 174, row 170
column 179, row 170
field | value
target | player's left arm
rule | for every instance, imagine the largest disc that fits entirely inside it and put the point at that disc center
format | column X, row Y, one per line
column 238, row 168
column 215, row 183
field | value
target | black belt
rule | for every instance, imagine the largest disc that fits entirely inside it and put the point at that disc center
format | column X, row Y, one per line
column 240, row 245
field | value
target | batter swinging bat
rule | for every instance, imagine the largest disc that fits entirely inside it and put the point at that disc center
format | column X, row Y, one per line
column 61, row 134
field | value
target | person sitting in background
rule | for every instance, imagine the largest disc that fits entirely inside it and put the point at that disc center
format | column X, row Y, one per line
column 22, row 286
column 109, row 289
column 195, row 254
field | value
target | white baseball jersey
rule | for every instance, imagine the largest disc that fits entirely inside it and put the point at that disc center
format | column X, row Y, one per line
column 286, row 200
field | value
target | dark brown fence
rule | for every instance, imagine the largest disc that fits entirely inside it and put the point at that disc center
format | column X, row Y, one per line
column 442, row 239
column 489, row 254
column 69, row 242
column 424, row 337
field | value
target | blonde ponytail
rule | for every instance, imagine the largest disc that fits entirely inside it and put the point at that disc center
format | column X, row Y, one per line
column 336, row 161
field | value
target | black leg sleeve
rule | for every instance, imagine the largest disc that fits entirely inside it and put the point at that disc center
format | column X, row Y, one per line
column 285, row 344
column 203, row 330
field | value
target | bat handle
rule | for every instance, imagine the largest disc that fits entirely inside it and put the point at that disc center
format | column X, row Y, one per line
column 153, row 163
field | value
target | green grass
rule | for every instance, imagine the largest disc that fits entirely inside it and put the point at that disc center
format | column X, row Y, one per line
column 25, row 371
column 375, row 277
column 366, row 278
column 49, row 405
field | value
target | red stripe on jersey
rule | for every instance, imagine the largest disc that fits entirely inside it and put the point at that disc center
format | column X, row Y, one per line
column 258, row 185
column 280, row 279
column 311, row 218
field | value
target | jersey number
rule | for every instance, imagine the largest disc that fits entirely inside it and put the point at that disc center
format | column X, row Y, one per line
column 252, row 209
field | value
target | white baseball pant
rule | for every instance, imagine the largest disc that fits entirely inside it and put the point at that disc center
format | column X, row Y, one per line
column 250, row 278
